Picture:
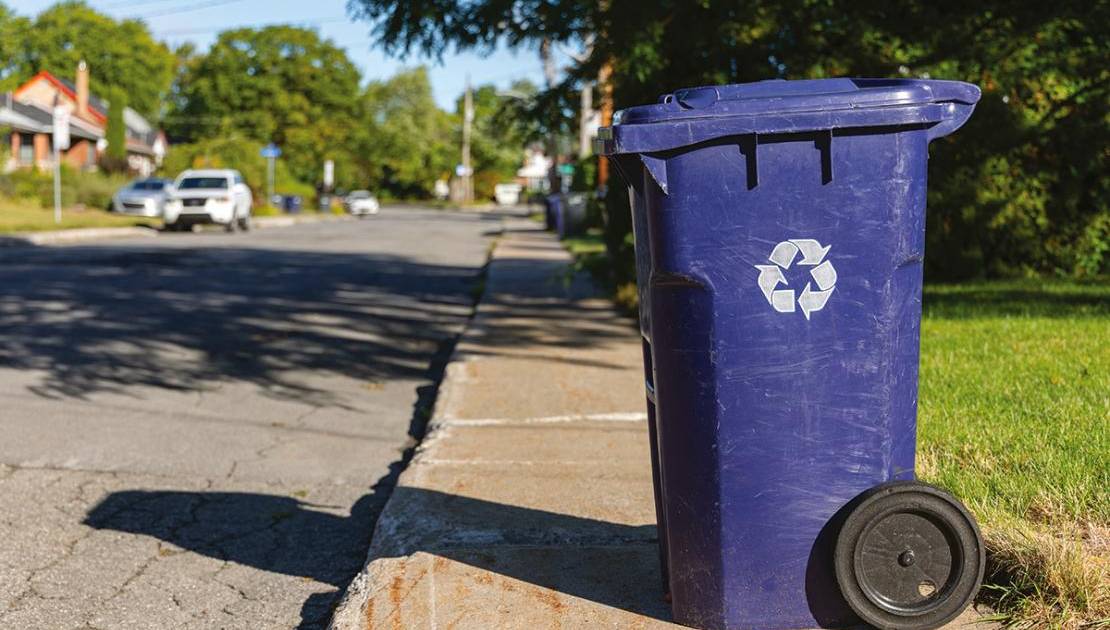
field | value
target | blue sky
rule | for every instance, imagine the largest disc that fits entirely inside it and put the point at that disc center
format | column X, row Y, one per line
column 170, row 22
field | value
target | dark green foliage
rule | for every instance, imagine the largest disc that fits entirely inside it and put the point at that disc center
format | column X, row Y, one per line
column 1022, row 189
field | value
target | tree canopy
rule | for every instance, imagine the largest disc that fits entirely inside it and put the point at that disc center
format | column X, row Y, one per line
column 281, row 84
column 1021, row 189
column 120, row 54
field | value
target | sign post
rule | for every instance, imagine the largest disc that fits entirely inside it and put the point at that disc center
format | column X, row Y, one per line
column 61, row 143
column 271, row 152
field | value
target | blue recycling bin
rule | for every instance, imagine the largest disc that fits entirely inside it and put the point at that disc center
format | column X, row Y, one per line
column 779, row 231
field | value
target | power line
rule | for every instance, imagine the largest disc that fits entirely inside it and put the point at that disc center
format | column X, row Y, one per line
column 202, row 30
column 184, row 9
column 127, row 4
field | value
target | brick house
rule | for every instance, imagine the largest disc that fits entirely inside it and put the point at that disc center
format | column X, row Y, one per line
column 27, row 114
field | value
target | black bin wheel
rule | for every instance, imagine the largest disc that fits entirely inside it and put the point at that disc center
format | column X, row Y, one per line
column 909, row 557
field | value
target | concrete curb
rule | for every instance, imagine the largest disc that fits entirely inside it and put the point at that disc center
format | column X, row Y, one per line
column 78, row 235
column 350, row 612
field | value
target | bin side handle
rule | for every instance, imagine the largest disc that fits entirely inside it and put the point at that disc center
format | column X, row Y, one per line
column 958, row 99
column 657, row 167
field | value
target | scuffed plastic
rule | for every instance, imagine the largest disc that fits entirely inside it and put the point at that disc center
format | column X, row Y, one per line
column 779, row 242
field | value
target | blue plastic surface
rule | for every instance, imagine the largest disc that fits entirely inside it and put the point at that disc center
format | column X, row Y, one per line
column 779, row 241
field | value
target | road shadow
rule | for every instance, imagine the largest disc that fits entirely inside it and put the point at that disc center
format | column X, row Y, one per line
column 96, row 319
column 106, row 319
column 282, row 535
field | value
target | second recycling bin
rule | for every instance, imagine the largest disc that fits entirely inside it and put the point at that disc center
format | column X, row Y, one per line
column 780, row 231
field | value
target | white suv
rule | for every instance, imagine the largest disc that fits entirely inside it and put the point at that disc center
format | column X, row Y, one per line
column 209, row 196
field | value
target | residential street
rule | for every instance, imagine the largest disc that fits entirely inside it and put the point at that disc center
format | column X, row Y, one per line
column 198, row 430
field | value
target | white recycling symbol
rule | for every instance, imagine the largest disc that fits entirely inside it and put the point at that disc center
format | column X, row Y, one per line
column 822, row 272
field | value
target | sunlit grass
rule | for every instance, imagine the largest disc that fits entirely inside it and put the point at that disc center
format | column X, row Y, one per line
column 1015, row 420
column 27, row 216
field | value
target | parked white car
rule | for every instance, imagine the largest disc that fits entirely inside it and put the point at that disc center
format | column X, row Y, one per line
column 361, row 203
column 143, row 197
column 209, row 196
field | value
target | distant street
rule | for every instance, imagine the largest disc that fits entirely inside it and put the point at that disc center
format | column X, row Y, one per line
column 194, row 427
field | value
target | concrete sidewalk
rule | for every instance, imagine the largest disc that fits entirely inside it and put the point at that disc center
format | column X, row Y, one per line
column 529, row 504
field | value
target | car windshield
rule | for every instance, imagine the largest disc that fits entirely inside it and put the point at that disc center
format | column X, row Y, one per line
column 359, row 194
column 202, row 182
column 149, row 184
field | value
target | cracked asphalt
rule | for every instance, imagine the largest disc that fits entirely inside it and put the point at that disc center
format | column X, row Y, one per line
column 199, row 430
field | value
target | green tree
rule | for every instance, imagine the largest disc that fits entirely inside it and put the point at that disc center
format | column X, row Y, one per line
column 13, row 35
column 404, row 142
column 120, row 54
column 1021, row 189
column 280, row 84
column 116, row 132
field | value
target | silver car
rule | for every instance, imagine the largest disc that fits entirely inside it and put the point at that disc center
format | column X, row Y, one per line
column 143, row 197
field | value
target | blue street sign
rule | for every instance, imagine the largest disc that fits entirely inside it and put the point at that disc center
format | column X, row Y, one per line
column 271, row 151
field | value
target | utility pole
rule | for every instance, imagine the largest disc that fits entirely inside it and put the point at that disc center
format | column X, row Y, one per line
column 468, row 118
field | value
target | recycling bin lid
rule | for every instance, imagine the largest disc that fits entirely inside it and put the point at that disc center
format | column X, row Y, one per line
column 698, row 114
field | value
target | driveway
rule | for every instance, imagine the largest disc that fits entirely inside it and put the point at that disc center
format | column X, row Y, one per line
column 198, row 431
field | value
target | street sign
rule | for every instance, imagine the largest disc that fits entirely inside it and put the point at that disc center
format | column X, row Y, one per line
column 462, row 171
column 329, row 173
column 61, row 128
column 271, row 151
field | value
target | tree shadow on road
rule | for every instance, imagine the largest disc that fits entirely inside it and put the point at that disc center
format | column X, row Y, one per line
column 107, row 319
column 98, row 320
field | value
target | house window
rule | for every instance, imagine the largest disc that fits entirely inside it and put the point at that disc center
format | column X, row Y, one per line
column 26, row 155
column 90, row 153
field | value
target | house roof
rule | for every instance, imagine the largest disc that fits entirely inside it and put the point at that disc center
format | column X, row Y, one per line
column 141, row 134
column 95, row 101
column 97, row 111
column 25, row 116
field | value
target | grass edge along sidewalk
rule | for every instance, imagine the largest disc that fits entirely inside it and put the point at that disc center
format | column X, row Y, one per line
column 1014, row 418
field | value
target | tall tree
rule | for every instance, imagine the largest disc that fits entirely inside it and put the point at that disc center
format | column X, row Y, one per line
column 1022, row 188
column 13, row 40
column 120, row 54
column 280, row 84
column 404, row 142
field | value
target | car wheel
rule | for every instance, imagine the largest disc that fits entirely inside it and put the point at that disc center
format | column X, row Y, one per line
column 245, row 223
column 231, row 226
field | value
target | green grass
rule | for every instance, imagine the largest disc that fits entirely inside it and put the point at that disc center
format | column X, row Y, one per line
column 1014, row 419
column 28, row 216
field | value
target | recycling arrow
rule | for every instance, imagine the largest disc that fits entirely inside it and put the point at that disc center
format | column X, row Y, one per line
column 812, row 252
column 812, row 300
column 823, row 275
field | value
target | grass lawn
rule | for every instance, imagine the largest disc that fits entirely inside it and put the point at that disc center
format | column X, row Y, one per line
column 1014, row 419
column 28, row 216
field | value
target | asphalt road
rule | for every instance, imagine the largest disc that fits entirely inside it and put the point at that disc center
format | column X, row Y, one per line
column 197, row 431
